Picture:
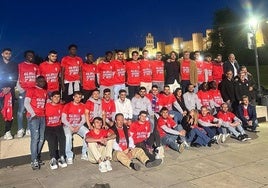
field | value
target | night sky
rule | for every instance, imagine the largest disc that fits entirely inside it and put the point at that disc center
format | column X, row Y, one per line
column 100, row 25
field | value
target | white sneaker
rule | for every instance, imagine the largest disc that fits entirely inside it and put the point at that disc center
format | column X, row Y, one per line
column 102, row 167
column 8, row 136
column 53, row 164
column 20, row 133
column 218, row 138
column 28, row 132
column 186, row 144
column 223, row 138
column 108, row 165
column 160, row 152
column 69, row 161
column 61, row 162
column 84, row 157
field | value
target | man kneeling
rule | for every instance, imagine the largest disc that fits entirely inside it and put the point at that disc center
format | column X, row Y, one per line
column 100, row 145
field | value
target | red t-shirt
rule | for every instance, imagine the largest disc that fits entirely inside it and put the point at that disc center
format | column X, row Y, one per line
column 74, row 112
column 146, row 70
column 139, row 131
column 209, row 66
column 167, row 101
column 133, row 73
column 102, row 134
column 119, row 70
column 51, row 73
column 216, row 96
column 204, row 97
column 53, row 114
column 208, row 118
column 200, row 71
column 72, row 67
column 108, row 107
column 106, row 75
column 89, row 76
column 169, row 122
column 158, row 71
column 226, row 116
column 90, row 106
column 122, row 139
column 27, row 75
column 217, row 71
column 185, row 69
column 38, row 98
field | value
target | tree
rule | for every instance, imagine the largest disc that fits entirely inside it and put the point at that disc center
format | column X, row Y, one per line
column 227, row 35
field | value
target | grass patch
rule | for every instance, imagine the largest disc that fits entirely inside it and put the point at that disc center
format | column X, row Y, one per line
column 263, row 74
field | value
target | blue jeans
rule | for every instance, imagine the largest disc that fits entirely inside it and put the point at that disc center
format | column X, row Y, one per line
column 37, row 127
column 21, row 110
column 171, row 141
column 69, row 140
column 198, row 136
column 177, row 116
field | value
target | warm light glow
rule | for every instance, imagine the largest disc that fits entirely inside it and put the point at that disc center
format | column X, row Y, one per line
column 253, row 23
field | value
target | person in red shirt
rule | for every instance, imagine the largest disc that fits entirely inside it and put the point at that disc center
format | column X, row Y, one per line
column 89, row 80
column 119, row 68
column 100, row 145
column 201, row 73
column 208, row 68
column 71, row 75
column 34, row 103
column 140, row 132
column 217, row 69
column 154, row 96
column 232, row 123
column 188, row 71
column 133, row 75
column 146, row 71
column 124, row 149
column 73, row 119
column 50, row 69
column 54, row 132
column 108, row 107
column 205, row 97
column 28, row 71
column 211, row 124
column 93, row 108
column 158, row 76
column 215, row 94
column 105, row 73
column 166, row 127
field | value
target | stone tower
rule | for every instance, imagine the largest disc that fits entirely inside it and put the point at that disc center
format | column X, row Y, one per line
column 197, row 41
column 149, row 41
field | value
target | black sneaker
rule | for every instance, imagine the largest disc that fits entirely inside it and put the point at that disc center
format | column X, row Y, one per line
column 35, row 165
column 135, row 166
column 240, row 137
column 150, row 164
column 53, row 164
column 40, row 162
column 246, row 137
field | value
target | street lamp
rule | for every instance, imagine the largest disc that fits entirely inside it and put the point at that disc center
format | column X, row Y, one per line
column 253, row 27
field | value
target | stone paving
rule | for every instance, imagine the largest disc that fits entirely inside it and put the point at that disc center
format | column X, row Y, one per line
column 232, row 164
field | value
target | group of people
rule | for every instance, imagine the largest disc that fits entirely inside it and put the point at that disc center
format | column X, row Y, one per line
column 126, row 109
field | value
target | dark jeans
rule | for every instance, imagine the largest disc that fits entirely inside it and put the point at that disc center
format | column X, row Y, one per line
column 184, row 85
column 212, row 131
column 132, row 90
column 56, row 140
column 142, row 145
column 65, row 96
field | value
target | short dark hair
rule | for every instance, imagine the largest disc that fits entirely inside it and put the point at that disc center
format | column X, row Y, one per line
column 135, row 52
column 55, row 93
column 6, row 49
column 143, row 112
column 77, row 93
column 72, row 46
column 142, row 88
column 118, row 114
column 106, row 90
column 163, row 109
column 108, row 52
column 28, row 51
column 117, row 51
column 97, row 118
column 122, row 91
column 154, row 86
column 52, row 52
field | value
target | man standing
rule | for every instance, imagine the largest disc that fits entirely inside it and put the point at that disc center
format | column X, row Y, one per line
column 231, row 64
column 146, row 71
column 8, row 79
column 119, row 69
column 27, row 74
column 71, row 66
column 105, row 73
column 50, row 69
column 172, row 70
column 158, row 76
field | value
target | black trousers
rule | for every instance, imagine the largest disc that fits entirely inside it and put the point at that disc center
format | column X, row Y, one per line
column 142, row 145
column 56, row 141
